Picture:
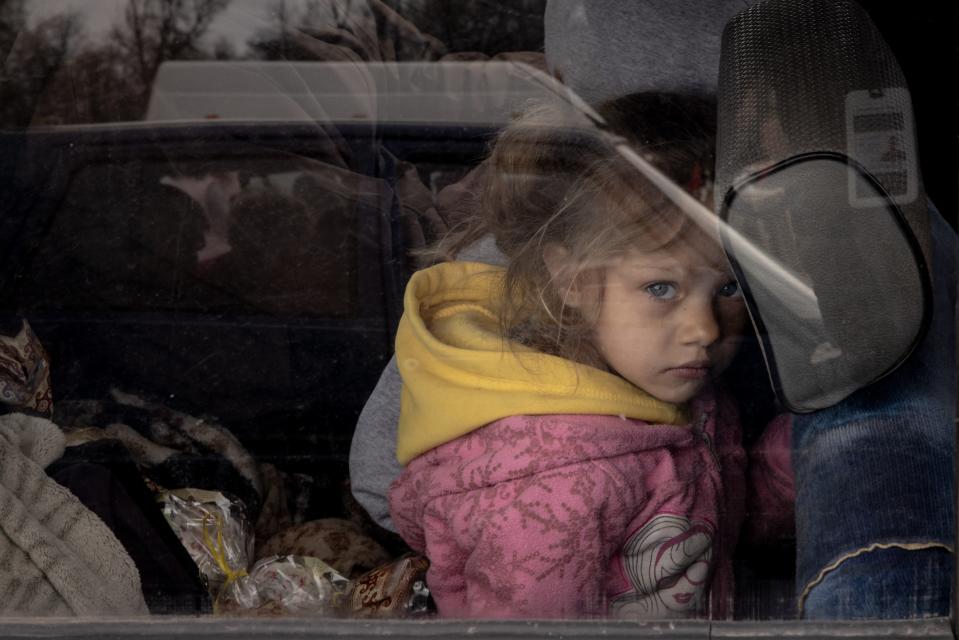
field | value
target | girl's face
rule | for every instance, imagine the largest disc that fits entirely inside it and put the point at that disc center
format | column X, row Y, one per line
column 671, row 318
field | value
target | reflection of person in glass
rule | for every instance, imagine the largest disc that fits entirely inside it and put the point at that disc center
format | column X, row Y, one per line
column 893, row 152
column 667, row 562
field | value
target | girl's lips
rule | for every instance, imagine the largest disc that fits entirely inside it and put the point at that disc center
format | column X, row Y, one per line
column 690, row 372
column 682, row 598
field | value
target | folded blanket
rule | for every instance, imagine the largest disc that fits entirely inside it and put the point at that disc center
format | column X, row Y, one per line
column 56, row 557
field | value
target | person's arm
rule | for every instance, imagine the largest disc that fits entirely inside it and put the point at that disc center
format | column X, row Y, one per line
column 546, row 552
column 771, row 489
column 534, row 547
column 373, row 464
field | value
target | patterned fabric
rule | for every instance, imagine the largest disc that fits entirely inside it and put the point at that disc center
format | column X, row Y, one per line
column 571, row 516
column 339, row 543
column 25, row 373
column 394, row 590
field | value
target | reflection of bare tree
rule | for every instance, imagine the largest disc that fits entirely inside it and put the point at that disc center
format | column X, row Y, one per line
column 100, row 87
column 33, row 58
column 224, row 49
column 156, row 30
column 12, row 20
column 51, row 74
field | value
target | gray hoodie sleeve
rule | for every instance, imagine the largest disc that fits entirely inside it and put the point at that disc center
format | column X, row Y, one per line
column 373, row 464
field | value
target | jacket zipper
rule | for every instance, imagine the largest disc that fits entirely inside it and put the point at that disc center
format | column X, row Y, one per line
column 700, row 430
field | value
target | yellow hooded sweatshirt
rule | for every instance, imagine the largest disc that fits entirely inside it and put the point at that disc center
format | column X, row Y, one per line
column 459, row 374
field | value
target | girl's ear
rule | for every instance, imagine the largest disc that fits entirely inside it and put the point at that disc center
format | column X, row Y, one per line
column 562, row 275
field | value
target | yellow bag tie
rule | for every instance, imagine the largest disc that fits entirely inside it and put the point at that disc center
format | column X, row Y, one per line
column 218, row 550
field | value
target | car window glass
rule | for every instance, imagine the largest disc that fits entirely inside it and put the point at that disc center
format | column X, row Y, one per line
column 210, row 213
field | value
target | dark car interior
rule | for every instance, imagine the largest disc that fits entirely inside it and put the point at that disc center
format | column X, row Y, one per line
column 250, row 275
column 102, row 259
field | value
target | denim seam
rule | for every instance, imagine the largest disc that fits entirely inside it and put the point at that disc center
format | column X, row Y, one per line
column 908, row 546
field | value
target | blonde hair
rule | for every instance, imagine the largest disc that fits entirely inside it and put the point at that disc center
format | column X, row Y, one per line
column 553, row 179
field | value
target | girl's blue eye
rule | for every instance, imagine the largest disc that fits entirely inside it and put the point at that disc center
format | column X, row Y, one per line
column 661, row 290
column 730, row 290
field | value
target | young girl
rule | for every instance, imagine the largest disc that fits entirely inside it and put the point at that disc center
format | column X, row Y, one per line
column 565, row 455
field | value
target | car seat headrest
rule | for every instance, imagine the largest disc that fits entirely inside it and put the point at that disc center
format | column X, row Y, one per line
column 826, row 222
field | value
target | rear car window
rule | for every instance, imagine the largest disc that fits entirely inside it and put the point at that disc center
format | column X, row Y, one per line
column 210, row 213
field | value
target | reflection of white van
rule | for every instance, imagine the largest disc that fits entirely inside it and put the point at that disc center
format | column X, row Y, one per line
column 450, row 93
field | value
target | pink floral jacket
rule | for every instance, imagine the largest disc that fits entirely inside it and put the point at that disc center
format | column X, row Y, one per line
column 572, row 515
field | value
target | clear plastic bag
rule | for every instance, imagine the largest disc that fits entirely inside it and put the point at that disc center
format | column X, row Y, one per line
column 286, row 585
column 215, row 532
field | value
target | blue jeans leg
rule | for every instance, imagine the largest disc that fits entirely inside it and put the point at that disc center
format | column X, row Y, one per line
column 882, row 584
column 875, row 487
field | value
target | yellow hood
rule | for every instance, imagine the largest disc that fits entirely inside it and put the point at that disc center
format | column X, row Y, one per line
column 459, row 374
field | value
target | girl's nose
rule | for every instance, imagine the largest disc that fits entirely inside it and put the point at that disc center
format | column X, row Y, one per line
column 699, row 325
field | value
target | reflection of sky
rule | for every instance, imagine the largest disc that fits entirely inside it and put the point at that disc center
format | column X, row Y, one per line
column 240, row 20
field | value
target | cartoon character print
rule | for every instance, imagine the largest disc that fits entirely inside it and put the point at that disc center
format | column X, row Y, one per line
column 667, row 563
